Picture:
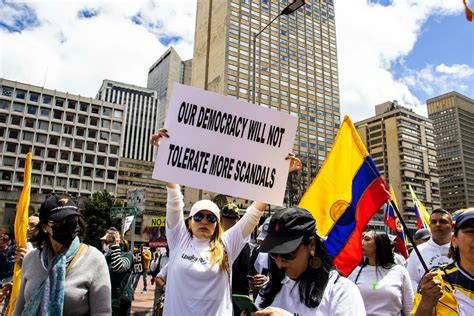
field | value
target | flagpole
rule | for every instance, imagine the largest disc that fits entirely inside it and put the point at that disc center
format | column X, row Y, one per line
column 415, row 248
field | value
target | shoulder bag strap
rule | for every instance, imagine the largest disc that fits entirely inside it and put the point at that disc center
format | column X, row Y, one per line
column 80, row 252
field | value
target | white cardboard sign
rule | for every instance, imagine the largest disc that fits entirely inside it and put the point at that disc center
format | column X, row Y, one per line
column 224, row 145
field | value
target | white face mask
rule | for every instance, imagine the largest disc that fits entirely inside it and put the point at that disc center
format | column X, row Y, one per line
column 105, row 248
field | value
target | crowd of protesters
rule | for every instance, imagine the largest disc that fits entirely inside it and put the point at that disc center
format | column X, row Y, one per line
column 286, row 271
column 211, row 258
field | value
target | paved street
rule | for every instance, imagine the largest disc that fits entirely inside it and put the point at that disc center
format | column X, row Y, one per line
column 143, row 303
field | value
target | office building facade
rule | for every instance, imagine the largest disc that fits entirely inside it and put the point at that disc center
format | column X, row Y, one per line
column 141, row 108
column 162, row 75
column 402, row 145
column 296, row 68
column 75, row 141
column 453, row 117
column 140, row 120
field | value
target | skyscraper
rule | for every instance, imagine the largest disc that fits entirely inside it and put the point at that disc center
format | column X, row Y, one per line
column 137, row 157
column 453, row 118
column 296, row 68
column 401, row 143
column 141, row 116
column 75, row 142
column 162, row 75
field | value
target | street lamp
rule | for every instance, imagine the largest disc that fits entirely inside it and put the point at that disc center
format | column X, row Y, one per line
column 292, row 7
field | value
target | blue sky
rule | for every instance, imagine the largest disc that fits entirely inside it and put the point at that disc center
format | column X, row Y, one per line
column 408, row 50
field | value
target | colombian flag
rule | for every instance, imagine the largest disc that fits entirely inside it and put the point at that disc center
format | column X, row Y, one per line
column 391, row 220
column 422, row 216
column 21, row 224
column 346, row 193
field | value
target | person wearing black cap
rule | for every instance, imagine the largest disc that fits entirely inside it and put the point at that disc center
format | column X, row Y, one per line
column 449, row 289
column 303, row 279
column 58, row 273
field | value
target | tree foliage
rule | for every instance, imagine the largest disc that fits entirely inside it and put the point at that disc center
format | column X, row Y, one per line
column 97, row 216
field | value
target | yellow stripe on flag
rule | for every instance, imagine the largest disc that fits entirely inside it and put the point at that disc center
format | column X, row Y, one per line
column 425, row 217
column 21, row 225
column 336, row 175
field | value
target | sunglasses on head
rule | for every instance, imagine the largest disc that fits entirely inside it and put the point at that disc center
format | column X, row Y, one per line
column 211, row 218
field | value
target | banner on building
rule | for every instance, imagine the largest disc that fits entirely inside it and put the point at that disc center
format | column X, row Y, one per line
column 225, row 145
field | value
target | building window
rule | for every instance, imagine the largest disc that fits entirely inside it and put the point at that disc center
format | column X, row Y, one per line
column 7, row 91
column 107, row 111
column 71, row 104
column 34, row 97
column 31, row 109
column 47, row 99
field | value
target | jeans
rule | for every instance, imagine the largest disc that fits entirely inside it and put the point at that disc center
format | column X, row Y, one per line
column 136, row 278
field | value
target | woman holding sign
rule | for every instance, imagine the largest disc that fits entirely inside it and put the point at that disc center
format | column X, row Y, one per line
column 202, row 254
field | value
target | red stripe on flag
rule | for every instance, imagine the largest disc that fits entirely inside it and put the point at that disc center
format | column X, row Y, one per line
column 372, row 199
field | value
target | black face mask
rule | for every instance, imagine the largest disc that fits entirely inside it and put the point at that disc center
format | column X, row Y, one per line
column 65, row 233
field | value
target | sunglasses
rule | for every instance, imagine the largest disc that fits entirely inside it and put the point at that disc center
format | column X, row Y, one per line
column 285, row 256
column 211, row 218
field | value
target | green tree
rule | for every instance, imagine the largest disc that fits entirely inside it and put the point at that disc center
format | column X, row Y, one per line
column 97, row 216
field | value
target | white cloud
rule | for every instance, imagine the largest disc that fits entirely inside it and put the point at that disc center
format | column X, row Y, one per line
column 457, row 71
column 371, row 38
column 439, row 79
column 75, row 55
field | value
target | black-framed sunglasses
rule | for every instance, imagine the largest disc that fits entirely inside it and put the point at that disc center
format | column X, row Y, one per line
column 211, row 218
column 285, row 256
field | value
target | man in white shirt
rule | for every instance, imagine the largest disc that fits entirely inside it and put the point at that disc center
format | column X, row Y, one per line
column 435, row 251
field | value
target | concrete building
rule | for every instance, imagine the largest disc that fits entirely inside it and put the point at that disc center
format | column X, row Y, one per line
column 401, row 143
column 296, row 68
column 141, row 116
column 162, row 75
column 141, row 108
column 453, row 118
column 75, row 141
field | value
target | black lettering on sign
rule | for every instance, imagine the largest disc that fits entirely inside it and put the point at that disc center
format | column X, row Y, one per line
column 256, row 174
column 188, row 158
column 256, row 131
column 275, row 135
column 221, row 166
column 187, row 113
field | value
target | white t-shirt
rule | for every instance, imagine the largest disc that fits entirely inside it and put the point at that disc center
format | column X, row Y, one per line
column 386, row 292
column 261, row 263
column 433, row 254
column 193, row 287
column 341, row 297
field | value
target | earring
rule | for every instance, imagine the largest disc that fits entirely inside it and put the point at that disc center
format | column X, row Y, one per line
column 314, row 262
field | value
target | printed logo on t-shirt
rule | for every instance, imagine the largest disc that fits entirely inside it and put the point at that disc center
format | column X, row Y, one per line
column 193, row 259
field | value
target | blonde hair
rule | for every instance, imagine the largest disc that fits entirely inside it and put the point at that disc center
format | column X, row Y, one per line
column 217, row 251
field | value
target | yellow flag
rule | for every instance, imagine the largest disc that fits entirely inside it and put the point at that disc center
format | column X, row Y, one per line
column 21, row 224
column 423, row 218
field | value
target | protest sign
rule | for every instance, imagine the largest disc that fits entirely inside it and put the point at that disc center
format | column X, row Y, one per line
column 224, row 145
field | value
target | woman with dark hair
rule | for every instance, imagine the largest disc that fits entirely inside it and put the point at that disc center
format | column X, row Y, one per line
column 58, row 273
column 449, row 289
column 303, row 279
column 384, row 285
column 202, row 254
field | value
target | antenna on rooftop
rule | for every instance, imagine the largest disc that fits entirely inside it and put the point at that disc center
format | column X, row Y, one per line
column 45, row 76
